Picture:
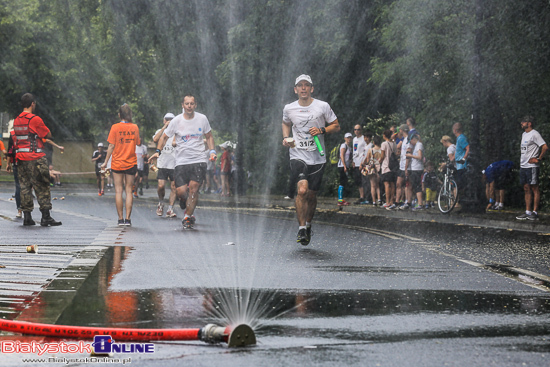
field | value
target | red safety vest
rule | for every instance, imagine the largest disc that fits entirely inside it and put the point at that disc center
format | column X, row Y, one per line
column 29, row 145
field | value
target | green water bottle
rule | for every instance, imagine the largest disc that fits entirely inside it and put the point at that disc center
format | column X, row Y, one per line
column 319, row 146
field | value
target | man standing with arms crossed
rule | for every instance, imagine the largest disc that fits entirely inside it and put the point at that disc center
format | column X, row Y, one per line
column 533, row 149
column 32, row 165
column 166, row 164
column 188, row 129
column 306, row 118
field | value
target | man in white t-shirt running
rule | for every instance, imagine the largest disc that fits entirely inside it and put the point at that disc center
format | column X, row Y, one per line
column 306, row 118
column 533, row 149
column 166, row 164
column 188, row 130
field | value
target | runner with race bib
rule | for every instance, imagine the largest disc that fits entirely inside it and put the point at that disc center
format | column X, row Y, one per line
column 306, row 118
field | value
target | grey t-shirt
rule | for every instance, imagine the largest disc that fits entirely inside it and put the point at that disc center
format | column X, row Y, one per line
column 302, row 118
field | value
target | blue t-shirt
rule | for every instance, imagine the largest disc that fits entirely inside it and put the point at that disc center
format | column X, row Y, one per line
column 461, row 144
column 497, row 169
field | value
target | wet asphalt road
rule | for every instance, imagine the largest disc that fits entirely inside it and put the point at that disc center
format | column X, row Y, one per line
column 377, row 293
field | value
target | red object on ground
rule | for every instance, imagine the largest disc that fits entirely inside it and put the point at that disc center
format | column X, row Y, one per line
column 82, row 332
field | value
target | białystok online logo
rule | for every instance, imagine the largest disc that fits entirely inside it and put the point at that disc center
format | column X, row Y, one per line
column 103, row 344
column 106, row 344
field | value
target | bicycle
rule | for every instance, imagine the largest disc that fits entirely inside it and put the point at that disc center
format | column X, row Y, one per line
column 448, row 193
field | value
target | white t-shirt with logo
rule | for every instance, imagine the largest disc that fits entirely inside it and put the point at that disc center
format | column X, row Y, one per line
column 302, row 118
column 188, row 135
column 417, row 164
column 141, row 150
column 166, row 158
column 359, row 150
column 530, row 146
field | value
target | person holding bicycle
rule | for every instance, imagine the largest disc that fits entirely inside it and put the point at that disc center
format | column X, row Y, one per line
column 460, row 158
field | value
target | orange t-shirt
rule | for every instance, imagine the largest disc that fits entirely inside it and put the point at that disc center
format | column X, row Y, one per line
column 124, row 136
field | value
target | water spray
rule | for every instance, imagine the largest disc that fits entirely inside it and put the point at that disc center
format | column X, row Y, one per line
column 239, row 336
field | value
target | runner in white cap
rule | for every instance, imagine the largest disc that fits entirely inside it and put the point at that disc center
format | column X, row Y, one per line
column 306, row 118
column 166, row 164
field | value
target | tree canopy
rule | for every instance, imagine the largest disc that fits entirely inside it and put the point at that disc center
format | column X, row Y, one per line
column 479, row 62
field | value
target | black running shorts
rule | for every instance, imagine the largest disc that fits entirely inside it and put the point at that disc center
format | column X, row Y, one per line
column 190, row 172
column 130, row 171
column 313, row 174
column 165, row 174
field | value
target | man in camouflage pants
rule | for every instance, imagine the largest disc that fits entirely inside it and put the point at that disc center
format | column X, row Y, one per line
column 32, row 164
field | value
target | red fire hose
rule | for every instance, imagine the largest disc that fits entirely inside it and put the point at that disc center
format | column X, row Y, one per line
column 241, row 335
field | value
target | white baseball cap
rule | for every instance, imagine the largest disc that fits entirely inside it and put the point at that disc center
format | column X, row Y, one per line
column 305, row 77
column 225, row 145
column 348, row 135
column 100, row 144
column 169, row 116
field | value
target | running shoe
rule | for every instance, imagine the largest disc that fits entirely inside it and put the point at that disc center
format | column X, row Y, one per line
column 170, row 214
column 309, row 233
column 188, row 222
column 499, row 207
column 287, row 197
column 141, row 191
column 121, row 222
column 98, row 192
column 533, row 216
column 365, row 202
column 127, row 222
column 386, row 205
column 524, row 216
column 379, row 203
column 302, row 237
column 404, row 206
column 392, row 207
column 417, row 208
column 19, row 214
column 135, row 195
column 359, row 201
column 343, row 203
column 160, row 209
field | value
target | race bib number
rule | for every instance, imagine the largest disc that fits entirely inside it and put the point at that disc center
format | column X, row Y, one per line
column 306, row 143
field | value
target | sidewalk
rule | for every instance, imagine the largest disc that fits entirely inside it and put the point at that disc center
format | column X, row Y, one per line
column 505, row 219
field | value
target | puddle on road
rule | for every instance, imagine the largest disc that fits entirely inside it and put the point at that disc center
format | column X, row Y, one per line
column 95, row 304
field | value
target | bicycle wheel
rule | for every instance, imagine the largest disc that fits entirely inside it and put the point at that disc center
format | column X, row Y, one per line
column 448, row 196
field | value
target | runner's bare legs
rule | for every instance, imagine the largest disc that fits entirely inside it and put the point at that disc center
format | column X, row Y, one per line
column 191, row 193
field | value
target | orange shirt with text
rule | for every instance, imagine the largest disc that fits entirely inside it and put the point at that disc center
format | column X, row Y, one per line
column 124, row 136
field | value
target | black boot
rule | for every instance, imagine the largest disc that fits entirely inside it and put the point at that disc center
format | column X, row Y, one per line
column 27, row 219
column 47, row 220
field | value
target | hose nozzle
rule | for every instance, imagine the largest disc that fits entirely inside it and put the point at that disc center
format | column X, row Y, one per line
column 240, row 336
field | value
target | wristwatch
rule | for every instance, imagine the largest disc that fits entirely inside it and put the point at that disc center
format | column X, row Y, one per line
column 158, row 151
column 323, row 130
